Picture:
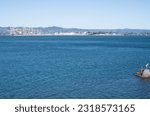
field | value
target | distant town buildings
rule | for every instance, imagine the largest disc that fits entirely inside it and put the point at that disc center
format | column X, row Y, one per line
column 26, row 31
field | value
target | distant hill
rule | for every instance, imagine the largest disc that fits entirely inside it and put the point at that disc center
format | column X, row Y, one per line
column 60, row 30
column 4, row 31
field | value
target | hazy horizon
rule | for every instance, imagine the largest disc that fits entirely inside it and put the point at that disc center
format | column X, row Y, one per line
column 83, row 14
column 75, row 27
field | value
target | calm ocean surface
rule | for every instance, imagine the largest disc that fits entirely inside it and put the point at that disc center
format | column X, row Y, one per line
column 73, row 67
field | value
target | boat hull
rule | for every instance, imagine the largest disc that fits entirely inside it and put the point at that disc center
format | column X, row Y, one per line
column 146, row 74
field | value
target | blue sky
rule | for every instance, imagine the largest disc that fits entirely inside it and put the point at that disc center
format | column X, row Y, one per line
column 102, row 14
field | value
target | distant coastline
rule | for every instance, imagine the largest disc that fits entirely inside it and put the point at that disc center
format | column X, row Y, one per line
column 59, row 31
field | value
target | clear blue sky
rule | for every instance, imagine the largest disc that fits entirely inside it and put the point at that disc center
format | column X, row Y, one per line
column 103, row 14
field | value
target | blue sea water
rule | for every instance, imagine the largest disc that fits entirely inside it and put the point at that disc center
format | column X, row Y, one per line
column 97, row 67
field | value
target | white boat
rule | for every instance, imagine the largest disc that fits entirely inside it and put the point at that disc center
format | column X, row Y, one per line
column 144, row 72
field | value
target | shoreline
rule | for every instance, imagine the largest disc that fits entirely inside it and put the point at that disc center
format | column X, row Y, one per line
column 67, row 35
